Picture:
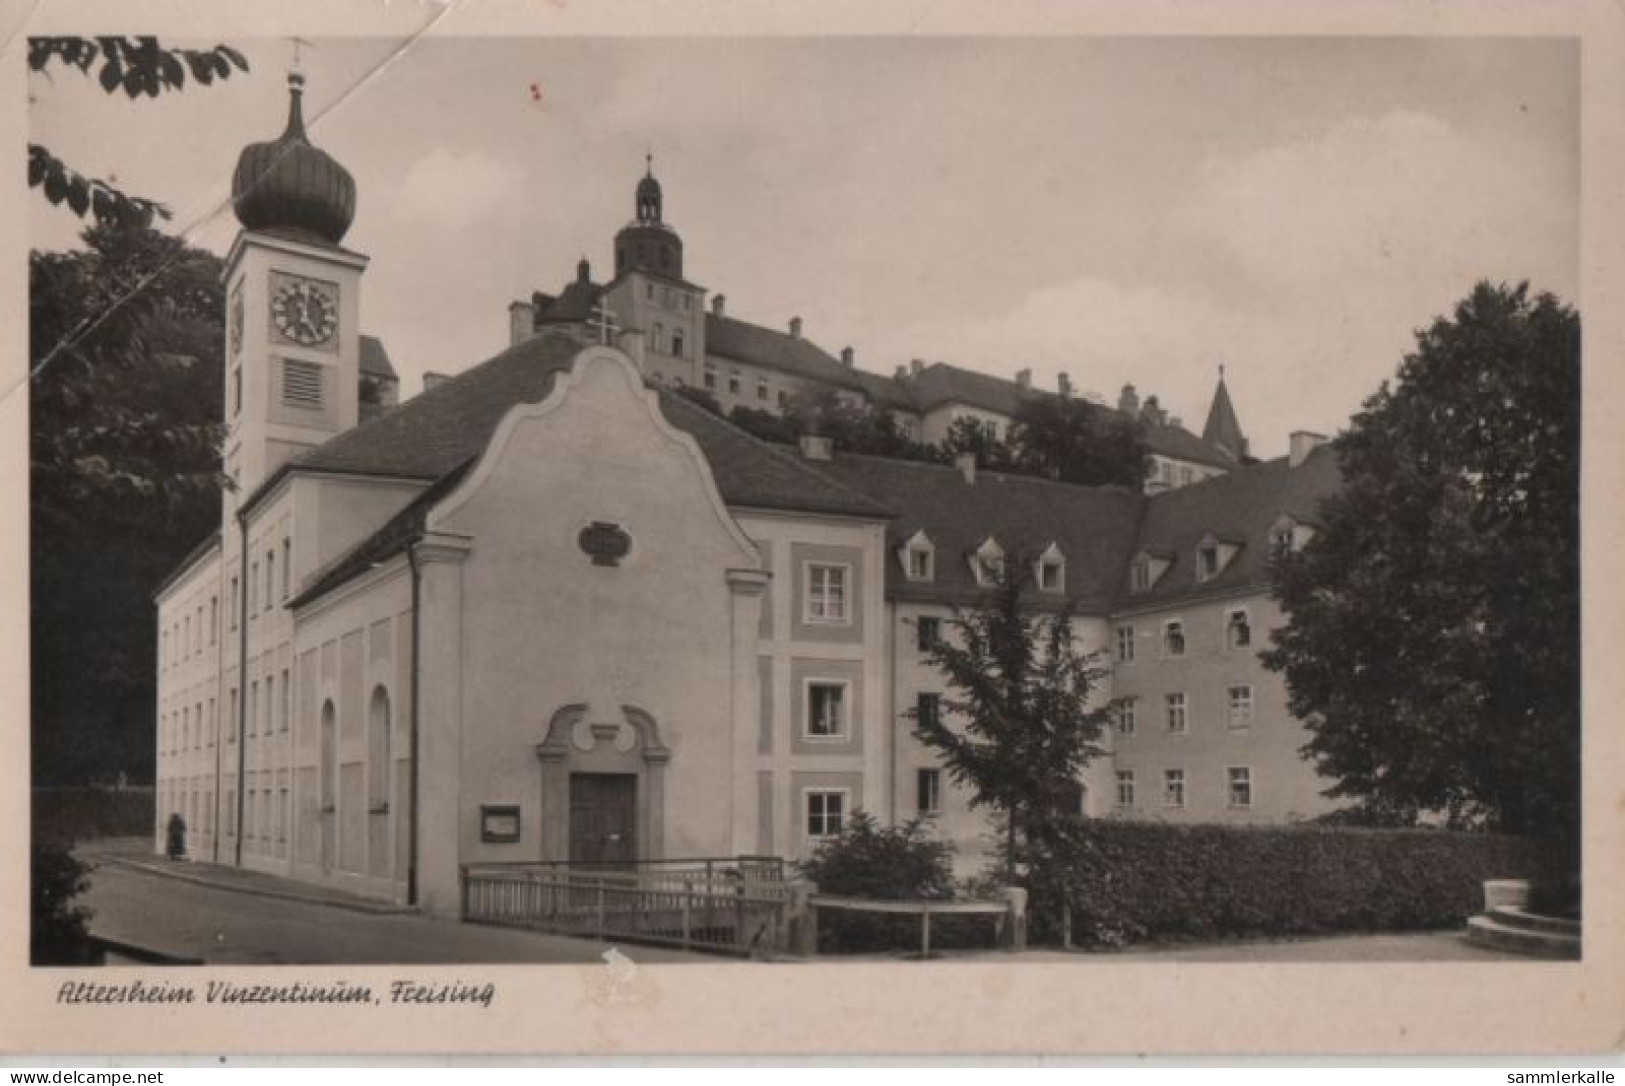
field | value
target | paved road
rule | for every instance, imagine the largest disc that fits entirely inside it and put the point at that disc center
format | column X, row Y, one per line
column 187, row 920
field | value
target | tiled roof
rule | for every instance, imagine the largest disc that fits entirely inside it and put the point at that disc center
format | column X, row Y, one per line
column 759, row 346
column 574, row 303
column 1092, row 526
column 374, row 359
column 443, row 429
column 940, row 384
column 1238, row 507
column 886, row 392
column 1178, row 443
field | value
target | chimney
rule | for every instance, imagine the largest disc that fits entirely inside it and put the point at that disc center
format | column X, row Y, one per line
column 719, row 305
column 902, row 372
column 816, row 447
column 1176, row 423
column 1304, row 442
column 1024, row 378
column 583, row 271
column 966, row 463
column 848, row 357
column 915, row 365
column 1128, row 402
column 1152, row 412
column 795, row 327
column 1063, row 385
column 431, row 379
column 521, row 322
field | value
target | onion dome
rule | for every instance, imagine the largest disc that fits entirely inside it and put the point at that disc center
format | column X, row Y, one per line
column 290, row 188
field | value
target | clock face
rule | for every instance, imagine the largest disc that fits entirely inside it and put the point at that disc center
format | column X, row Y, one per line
column 305, row 311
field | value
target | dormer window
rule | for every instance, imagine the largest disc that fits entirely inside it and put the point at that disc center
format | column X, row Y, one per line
column 919, row 558
column 1051, row 570
column 1146, row 568
column 1287, row 535
column 1207, row 561
column 1213, row 555
column 987, row 564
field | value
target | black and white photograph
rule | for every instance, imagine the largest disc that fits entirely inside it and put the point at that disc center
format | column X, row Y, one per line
column 828, row 512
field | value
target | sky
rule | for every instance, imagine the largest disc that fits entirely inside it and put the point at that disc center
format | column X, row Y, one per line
column 1126, row 210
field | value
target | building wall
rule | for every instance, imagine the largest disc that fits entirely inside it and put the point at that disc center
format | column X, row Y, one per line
column 740, row 384
column 936, row 423
column 968, row 830
column 672, row 320
column 538, row 627
column 1284, row 786
column 188, row 710
column 793, row 651
column 1169, row 473
column 350, row 664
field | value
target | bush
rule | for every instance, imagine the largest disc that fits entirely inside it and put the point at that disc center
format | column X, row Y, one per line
column 893, row 863
column 1133, row 881
column 90, row 813
column 61, row 933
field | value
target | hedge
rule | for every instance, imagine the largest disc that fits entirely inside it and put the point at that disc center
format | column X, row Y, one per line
column 1134, row 881
column 86, row 813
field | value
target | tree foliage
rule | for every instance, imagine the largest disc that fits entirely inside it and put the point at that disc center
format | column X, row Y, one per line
column 857, row 427
column 1076, row 441
column 1019, row 722
column 60, row 929
column 972, row 437
column 123, row 431
column 1433, row 641
column 140, row 67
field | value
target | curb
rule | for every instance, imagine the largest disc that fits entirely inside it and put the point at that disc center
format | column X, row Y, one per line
column 382, row 908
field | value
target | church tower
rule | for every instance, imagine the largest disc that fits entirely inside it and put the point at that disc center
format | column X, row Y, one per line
column 292, row 305
column 649, row 294
column 647, row 243
column 1223, row 428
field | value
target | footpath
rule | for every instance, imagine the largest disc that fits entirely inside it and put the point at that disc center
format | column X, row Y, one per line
column 154, row 910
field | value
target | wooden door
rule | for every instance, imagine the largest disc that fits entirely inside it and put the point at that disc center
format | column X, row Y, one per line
column 603, row 813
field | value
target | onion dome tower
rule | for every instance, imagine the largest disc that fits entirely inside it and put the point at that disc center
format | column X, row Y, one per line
column 647, row 242
column 293, row 343
column 288, row 188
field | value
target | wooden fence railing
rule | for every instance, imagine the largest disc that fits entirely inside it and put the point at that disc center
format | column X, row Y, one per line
column 1009, row 924
column 720, row 912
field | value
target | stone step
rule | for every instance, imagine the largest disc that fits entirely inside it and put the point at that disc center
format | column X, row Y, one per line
column 1510, row 917
column 1489, row 932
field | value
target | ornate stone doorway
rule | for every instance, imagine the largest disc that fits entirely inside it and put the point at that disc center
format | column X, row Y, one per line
column 603, row 787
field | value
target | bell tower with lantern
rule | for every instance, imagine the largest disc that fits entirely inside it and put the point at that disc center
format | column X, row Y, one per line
column 292, row 305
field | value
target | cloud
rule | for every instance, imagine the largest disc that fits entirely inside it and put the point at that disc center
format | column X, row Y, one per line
column 1304, row 266
column 1383, row 206
column 451, row 190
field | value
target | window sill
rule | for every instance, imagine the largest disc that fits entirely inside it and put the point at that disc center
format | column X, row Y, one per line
column 378, row 808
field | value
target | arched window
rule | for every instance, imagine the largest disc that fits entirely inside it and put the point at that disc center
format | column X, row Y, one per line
column 330, row 758
column 378, row 766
